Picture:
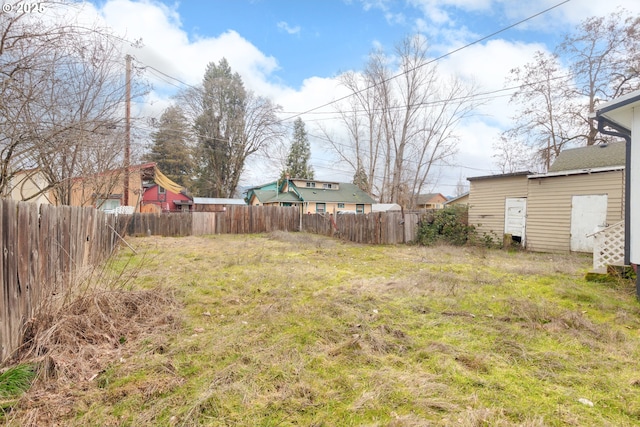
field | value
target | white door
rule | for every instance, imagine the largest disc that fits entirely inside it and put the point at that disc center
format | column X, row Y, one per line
column 588, row 215
column 515, row 214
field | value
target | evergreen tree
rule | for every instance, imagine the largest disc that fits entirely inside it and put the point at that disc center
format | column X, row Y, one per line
column 219, row 129
column 360, row 179
column 170, row 150
column 299, row 154
column 231, row 123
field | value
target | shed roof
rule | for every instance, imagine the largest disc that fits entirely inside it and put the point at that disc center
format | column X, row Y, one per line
column 504, row 175
column 385, row 207
column 593, row 156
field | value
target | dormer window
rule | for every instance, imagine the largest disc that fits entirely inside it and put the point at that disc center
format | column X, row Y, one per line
column 328, row 186
column 311, row 185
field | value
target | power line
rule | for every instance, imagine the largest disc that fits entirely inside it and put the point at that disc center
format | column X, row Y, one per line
column 467, row 97
column 432, row 60
column 474, row 96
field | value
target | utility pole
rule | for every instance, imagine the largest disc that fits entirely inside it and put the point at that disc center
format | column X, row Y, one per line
column 127, row 131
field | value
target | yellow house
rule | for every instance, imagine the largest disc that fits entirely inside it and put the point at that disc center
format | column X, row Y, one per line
column 430, row 201
column 31, row 186
column 106, row 191
column 312, row 196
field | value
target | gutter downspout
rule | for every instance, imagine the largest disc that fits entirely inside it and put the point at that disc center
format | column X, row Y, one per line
column 626, row 134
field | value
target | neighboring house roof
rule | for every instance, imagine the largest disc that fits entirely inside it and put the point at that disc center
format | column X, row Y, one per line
column 346, row 193
column 590, row 157
column 217, row 201
column 268, row 196
column 453, row 200
column 425, row 199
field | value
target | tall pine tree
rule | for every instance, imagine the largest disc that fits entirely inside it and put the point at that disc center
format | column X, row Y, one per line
column 170, row 149
column 231, row 124
column 220, row 128
column 297, row 165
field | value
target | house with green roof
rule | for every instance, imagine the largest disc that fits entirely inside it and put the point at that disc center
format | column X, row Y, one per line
column 556, row 211
column 312, row 196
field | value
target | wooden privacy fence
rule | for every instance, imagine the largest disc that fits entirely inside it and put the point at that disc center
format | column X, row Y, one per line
column 235, row 220
column 43, row 247
column 373, row 228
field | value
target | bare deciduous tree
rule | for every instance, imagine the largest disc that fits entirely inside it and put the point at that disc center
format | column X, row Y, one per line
column 230, row 124
column 401, row 125
column 604, row 57
column 62, row 89
column 545, row 121
column 601, row 61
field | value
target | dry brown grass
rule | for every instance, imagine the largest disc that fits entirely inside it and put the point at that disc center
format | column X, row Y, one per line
column 79, row 334
column 297, row 329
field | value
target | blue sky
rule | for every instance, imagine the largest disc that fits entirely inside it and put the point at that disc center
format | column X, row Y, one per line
column 293, row 50
column 307, row 37
column 325, row 37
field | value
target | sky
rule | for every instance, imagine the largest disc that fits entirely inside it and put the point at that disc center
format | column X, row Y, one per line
column 292, row 51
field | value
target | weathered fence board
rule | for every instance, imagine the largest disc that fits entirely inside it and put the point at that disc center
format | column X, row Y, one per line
column 42, row 248
column 373, row 228
column 234, row 220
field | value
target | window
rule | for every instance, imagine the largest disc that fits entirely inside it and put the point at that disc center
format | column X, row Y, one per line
column 340, row 205
column 107, row 205
column 311, row 185
column 360, row 208
column 161, row 190
column 320, row 207
column 326, row 186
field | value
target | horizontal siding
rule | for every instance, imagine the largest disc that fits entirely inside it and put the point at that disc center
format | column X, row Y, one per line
column 487, row 200
column 549, row 206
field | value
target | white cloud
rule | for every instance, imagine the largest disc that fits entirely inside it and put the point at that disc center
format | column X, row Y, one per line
column 288, row 29
column 169, row 48
column 488, row 66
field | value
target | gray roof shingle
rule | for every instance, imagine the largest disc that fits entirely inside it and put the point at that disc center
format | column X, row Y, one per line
column 593, row 156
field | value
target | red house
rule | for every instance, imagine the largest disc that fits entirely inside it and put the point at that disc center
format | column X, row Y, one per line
column 156, row 198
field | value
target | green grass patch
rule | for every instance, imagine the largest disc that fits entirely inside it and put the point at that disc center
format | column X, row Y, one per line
column 296, row 329
column 14, row 382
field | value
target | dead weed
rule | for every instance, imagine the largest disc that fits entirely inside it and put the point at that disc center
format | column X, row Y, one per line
column 78, row 342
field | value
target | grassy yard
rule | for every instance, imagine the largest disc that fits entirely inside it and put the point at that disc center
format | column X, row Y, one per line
column 292, row 329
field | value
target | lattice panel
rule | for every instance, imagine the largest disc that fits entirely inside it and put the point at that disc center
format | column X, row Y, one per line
column 608, row 246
